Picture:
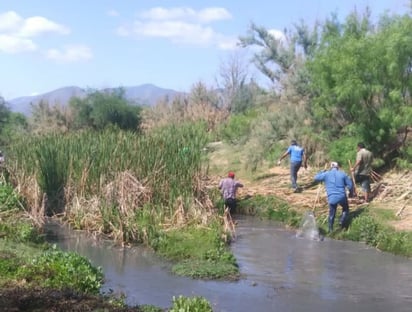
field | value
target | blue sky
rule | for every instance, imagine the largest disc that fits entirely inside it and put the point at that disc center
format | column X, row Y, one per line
column 46, row 44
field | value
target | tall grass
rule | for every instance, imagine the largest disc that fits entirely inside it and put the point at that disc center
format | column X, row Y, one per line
column 104, row 178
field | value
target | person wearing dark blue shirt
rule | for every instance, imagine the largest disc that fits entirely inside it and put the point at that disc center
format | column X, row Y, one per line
column 336, row 184
column 297, row 158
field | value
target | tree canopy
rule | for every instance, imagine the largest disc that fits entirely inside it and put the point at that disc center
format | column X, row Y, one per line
column 101, row 109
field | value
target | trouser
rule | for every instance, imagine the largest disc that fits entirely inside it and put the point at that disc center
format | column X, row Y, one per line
column 332, row 213
column 294, row 168
column 231, row 204
column 364, row 181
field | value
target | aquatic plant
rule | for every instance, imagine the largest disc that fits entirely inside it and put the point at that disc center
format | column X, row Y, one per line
column 60, row 270
column 188, row 304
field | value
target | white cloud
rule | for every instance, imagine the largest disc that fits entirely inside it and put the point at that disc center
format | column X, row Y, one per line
column 277, row 34
column 176, row 31
column 70, row 54
column 180, row 25
column 214, row 14
column 9, row 22
column 10, row 44
column 37, row 25
column 184, row 13
column 14, row 25
column 17, row 33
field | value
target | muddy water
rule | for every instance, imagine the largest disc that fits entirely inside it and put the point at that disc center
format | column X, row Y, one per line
column 279, row 273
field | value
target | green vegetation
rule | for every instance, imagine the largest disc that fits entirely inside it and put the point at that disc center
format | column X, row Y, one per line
column 139, row 175
column 25, row 257
column 371, row 228
column 185, row 304
column 128, row 186
column 270, row 207
column 99, row 110
column 60, row 270
column 209, row 260
column 38, row 267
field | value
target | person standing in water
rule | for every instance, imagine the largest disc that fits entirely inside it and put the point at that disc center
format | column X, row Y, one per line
column 336, row 183
column 228, row 187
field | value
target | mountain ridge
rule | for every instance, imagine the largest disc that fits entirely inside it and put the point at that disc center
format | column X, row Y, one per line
column 144, row 94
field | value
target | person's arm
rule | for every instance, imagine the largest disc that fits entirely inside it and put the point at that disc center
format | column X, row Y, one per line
column 320, row 176
column 349, row 185
column 238, row 184
column 305, row 160
column 283, row 156
column 357, row 163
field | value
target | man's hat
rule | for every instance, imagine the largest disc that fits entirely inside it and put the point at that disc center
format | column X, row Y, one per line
column 231, row 174
column 294, row 142
column 334, row 164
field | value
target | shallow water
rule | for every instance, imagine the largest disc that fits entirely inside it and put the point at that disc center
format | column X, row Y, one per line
column 280, row 272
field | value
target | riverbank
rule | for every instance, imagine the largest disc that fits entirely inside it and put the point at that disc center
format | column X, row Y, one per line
column 385, row 223
column 266, row 194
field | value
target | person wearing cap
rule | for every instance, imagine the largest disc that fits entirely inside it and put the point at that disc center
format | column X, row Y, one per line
column 336, row 182
column 228, row 187
column 362, row 169
column 297, row 158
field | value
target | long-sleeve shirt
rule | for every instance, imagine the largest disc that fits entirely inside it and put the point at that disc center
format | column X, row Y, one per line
column 336, row 182
column 228, row 187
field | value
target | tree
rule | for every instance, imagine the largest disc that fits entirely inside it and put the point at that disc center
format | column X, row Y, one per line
column 238, row 89
column 101, row 109
column 46, row 118
column 4, row 113
column 281, row 55
column 11, row 124
column 360, row 78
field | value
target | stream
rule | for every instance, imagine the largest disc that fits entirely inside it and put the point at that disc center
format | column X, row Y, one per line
column 280, row 272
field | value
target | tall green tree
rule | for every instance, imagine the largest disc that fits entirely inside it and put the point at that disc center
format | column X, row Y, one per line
column 12, row 124
column 100, row 109
column 360, row 77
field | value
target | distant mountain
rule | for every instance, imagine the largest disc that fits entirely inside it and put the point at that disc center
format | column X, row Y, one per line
column 146, row 94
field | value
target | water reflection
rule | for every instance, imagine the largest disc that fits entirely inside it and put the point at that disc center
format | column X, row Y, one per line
column 280, row 273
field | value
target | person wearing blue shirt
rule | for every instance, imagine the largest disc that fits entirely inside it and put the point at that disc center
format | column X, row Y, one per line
column 336, row 183
column 297, row 158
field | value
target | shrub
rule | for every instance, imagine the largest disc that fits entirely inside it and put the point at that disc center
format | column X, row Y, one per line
column 364, row 228
column 343, row 149
column 395, row 242
column 9, row 199
column 238, row 128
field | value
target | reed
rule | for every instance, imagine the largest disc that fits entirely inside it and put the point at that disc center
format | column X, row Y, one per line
column 113, row 181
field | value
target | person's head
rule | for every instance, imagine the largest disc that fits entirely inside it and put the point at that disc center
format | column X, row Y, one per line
column 231, row 174
column 360, row 145
column 293, row 142
column 334, row 164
